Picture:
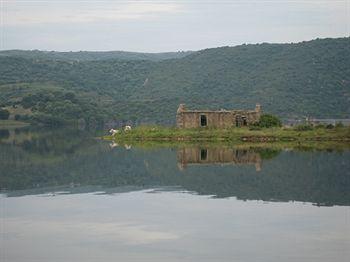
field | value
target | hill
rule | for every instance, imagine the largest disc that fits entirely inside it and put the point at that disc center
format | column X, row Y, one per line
column 290, row 80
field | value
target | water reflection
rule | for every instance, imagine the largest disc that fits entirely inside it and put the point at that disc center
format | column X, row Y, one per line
column 74, row 161
column 100, row 201
column 218, row 155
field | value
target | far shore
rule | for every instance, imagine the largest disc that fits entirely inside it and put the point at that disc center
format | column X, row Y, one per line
column 12, row 124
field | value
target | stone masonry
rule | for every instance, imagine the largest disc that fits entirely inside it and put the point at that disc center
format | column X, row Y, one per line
column 216, row 119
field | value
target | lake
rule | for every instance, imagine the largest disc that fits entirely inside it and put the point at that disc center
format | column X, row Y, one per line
column 68, row 196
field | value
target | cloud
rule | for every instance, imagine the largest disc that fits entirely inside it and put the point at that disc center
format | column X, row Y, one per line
column 165, row 25
column 127, row 233
column 22, row 13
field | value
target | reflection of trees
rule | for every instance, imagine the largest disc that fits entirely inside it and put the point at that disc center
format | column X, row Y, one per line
column 49, row 143
column 30, row 159
column 56, row 142
column 267, row 153
column 73, row 158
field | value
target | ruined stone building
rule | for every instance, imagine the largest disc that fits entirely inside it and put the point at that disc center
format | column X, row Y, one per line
column 218, row 119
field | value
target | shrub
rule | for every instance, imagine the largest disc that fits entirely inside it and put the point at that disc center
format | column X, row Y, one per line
column 329, row 126
column 24, row 117
column 48, row 120
column 303, row 128
column 4, row 114
column 339, row 125
column 254, row 127
column 320, row 126
column 267, row 120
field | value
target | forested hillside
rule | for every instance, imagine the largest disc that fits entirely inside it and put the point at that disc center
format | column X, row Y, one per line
column 290, row 80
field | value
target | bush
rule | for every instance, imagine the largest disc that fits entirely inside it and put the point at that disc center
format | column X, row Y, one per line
column 339, row 125
column 24, row 117
column 254, row 127
column 269, row 121
column 4, row 114
column 303, row 128
column 329, row 126
column 320, row 126
column 49, row 120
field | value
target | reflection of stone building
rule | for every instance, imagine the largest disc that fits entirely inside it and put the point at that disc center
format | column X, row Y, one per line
column 196, row 155
column 219, row 119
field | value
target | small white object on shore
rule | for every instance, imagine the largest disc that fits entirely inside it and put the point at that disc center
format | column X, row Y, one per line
column 113, row 131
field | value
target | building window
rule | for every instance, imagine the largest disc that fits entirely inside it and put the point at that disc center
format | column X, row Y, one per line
column 241, row 121
column 203, row 120
column 204, row 154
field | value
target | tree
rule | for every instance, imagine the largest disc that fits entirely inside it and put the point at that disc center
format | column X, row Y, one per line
column 267, row 120
column 4, row 114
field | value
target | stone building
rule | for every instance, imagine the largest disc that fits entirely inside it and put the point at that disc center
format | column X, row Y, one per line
column 218, row 119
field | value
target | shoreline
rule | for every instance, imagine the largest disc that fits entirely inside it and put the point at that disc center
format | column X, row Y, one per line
column 233, row 135
column 12, row 124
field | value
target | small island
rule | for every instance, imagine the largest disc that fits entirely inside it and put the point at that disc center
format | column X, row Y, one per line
column 232, row 126
column 273, row 134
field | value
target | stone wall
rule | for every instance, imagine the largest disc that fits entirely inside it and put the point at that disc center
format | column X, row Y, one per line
column 216, row 119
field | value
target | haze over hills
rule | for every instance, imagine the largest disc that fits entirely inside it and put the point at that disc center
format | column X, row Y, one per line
column 93, row 55
column 290, row 80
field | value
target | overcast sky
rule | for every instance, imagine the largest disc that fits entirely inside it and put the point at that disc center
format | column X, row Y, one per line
column 166, row 25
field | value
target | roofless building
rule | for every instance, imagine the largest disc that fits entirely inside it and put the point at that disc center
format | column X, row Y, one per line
column 216, row 119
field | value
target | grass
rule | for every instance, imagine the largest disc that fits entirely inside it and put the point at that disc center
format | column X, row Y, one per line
column 158, row 134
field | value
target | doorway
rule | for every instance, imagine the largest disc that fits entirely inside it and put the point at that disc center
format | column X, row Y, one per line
column 203, row 120
column 204, row 154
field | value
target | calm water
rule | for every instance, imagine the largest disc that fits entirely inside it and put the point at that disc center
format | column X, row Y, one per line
column 66, row 196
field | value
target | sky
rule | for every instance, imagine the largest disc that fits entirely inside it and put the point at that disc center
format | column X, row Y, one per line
column 166, row 25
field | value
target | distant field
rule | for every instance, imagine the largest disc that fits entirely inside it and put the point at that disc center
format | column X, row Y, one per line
column 12, row 123
column 18, row 110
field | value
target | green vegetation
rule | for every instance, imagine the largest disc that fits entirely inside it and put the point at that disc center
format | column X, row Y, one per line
column 303, row 127
column 267, row 121
column 155, row 133
column 54, row 105
column 289, row 80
